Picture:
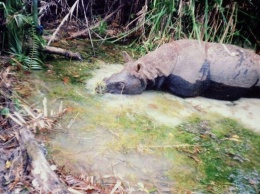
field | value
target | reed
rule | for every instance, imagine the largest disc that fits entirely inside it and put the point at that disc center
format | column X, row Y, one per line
column 154, row 22
column 203, row 20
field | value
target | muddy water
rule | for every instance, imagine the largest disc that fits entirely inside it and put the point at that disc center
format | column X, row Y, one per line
column 128, row 137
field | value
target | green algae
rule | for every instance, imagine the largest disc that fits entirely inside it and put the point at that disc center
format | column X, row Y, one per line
column 226, row 147
column 205, row 153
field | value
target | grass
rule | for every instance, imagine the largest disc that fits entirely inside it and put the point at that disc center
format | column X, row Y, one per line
column 213, row 21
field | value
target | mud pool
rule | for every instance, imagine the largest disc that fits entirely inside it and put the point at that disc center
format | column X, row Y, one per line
column 139, row 139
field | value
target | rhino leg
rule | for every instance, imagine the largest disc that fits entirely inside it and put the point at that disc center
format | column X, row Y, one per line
column 183, row 88
column 157, row 84
column 224, row 92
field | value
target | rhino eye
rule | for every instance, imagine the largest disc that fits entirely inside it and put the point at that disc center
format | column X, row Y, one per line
column 120, row 85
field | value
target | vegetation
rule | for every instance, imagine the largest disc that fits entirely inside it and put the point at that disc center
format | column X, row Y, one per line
column 223, row 151
column 149, row 23
column 21, row 32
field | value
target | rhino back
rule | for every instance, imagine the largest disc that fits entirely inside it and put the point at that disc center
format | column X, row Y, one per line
column 227, row 64
column 233, row 66
column 191, row 60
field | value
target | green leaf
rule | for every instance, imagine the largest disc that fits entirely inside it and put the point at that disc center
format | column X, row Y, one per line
column 5, row 111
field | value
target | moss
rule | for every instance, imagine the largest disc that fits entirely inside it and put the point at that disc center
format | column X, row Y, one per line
column 146, row 137
column 214, row 149
column 226, row 147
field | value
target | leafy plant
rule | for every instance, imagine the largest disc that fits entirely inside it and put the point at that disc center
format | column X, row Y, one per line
column 102, row 27
column 23, row 40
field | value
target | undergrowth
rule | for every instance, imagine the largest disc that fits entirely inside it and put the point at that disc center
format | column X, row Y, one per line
column 213, row 21
column 22, row 38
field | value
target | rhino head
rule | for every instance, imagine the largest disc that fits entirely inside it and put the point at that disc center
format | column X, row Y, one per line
column 125, row 82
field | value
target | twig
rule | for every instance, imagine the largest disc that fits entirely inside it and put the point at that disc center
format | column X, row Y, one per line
column 117, row 185
column 15, row 120
column 113, row 133
column 89, row 34
column 72, row 121
column 44, row 102
column 63, row 21
column 82, row 32
column 168, row 146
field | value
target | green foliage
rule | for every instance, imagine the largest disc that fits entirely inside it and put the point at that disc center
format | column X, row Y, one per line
column 23, row 40
column 34, row 60
column 102, row 27
column 5, row 111
column 213, row 21
column 179, row 19
column 3, row 5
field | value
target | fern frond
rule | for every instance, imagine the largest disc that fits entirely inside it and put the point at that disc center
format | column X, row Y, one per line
column 34, row 62
column 23, row 45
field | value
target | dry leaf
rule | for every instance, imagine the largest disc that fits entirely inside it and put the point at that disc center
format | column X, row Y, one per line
column 65, row 80
column 7, row 164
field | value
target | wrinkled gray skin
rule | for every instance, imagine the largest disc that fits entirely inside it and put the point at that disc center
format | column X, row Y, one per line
column 189, row 68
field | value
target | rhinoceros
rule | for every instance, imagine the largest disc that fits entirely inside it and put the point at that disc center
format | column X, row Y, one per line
column 190, row 68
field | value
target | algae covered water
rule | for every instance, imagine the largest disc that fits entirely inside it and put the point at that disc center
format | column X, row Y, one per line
column 154, row 142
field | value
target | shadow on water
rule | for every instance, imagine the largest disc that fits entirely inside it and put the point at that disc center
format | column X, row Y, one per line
column 152, row 142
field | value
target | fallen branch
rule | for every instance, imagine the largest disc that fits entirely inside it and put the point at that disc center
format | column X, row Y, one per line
column 83, row 32
column 42, row 172
column 62, row 52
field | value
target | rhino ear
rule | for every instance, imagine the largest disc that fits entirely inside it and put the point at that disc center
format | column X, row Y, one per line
column 138, row 66
column 127, row 57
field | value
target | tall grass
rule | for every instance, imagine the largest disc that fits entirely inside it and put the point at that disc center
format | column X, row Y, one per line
column 153, row 22
column 204, row 20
